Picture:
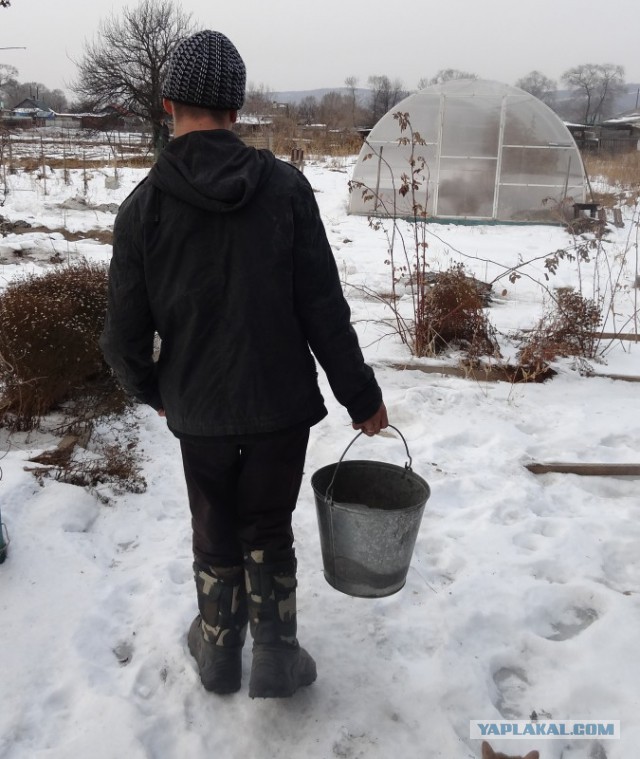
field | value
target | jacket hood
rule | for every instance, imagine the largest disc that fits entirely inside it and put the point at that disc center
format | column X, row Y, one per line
column 213, row 170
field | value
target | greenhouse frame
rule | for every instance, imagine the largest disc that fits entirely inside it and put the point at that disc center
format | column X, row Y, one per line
column 481, row 151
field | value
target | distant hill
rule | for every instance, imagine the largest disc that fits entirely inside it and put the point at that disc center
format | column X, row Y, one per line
column 626, row 102
column 296, row 96
column 622, row 104
column 630, row 100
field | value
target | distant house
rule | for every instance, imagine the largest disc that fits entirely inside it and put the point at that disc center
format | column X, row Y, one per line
column 255, row 130
column 106, row 119
column 117, row 117
column 584, row 135
column 628, row 121
column 252, row 124
column 33, row 112
column 36, row 113
column 615, row 135
column 67, row 120
column 622, row 131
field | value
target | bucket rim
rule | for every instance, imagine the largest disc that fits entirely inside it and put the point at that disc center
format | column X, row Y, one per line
column 359, row 463
column 348, row 508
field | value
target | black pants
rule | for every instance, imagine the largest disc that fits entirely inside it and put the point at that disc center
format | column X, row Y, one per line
column 242, row 493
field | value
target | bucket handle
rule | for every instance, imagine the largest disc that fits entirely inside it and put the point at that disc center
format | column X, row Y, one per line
column 328, row 496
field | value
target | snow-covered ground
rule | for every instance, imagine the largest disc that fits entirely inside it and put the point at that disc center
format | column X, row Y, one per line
column 523, row 593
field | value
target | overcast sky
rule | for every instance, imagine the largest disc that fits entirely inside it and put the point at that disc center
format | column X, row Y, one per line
column 295, row 45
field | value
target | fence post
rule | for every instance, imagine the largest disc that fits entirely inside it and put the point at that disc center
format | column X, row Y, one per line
column 44, row 168
column 11, row 167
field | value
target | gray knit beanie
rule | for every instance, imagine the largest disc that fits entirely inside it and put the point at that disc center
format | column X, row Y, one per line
column 206, row 70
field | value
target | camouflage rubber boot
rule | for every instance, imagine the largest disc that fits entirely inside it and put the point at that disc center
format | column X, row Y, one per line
column 218, row 633
column 280, row 666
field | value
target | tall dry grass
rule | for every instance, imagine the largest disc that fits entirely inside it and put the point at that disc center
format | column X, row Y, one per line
column 621, row 171
column 315, row 143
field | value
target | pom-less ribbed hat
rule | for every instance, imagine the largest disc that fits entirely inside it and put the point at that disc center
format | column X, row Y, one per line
column 206, row 70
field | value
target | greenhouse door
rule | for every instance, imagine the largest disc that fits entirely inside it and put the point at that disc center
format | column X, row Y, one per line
column 468, row 159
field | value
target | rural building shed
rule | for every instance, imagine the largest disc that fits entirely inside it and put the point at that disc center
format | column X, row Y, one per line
column 492, row 152
column 36, row 110
column 621, row 133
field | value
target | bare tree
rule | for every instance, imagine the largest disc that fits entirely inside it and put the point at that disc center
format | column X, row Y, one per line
column 8, row 79
column 16, row 92
column 595, row 86
column 57, row 101
column 126, row 63
column 384, row 95
column 258, row 100
column 5, row 3
column 336, row 110
column 445, row 75
column 351, row 82
column 540, row 86
column 307, row 110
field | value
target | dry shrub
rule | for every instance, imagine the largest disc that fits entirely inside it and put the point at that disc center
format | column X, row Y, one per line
column 606, row 199
column 49, row 329
column 451, row 315
column 113, row 465
column 586, row 225
column 30, row 164
column 569, row 329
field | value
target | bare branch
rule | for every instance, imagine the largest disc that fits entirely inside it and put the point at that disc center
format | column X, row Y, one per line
column 595, row 85
column 126, row 62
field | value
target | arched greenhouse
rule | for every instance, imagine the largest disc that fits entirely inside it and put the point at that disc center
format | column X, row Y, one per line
column 491, row 152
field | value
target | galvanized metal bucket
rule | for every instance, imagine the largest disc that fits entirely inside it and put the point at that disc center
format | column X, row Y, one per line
column 369, row 514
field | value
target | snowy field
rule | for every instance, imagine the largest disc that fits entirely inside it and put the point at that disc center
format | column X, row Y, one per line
column 69, row 144
column 523, row 594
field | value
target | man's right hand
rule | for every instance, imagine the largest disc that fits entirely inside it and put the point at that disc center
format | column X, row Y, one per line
column 374, row 424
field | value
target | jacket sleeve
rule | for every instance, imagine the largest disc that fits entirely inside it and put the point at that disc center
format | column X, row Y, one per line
column 325, row 314
column 127, row 339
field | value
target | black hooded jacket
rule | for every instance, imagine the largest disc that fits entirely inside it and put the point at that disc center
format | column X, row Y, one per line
column 222, row 252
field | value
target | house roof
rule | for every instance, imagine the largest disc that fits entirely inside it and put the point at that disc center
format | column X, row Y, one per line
column 33, row 108
column 253, row 120
column 113, row 108
column 31, row 104
column 630, row 118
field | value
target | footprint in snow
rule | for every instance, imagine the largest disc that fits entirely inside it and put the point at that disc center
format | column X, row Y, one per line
column 350, row 746
column 583, row 750
column 549, row 528
column 123, row 652
column 180, row 572
column 528, row 541
column 563, row 612
column 574, row 621
column 511, row 686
